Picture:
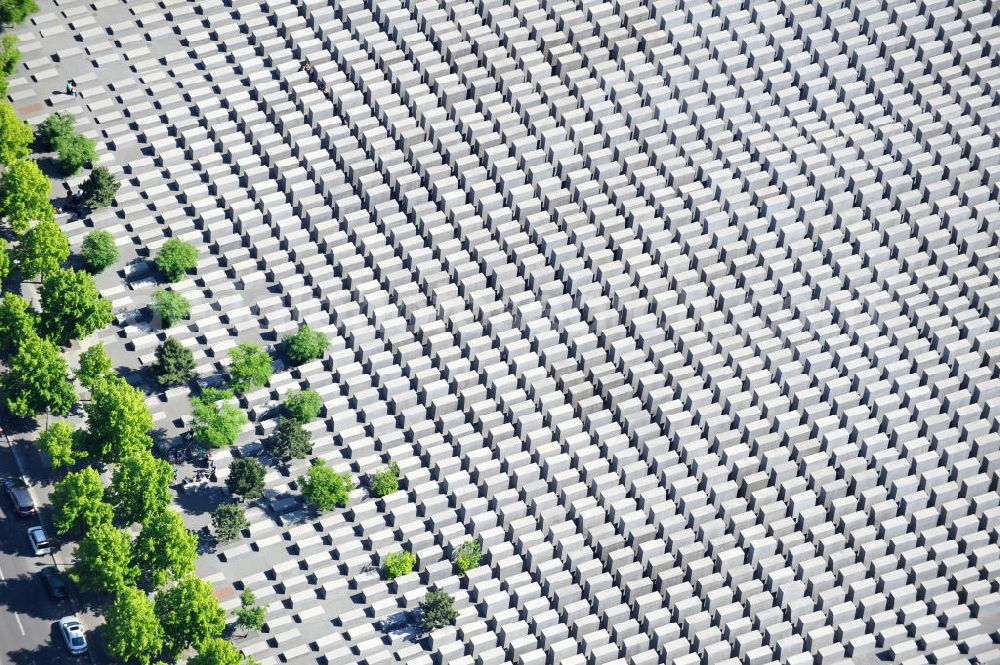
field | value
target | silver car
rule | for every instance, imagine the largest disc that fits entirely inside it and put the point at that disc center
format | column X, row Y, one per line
column 39, row 541
column 72, row 632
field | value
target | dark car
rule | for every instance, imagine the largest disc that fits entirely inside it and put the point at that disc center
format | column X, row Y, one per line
column 19, row 495
column 54, row 582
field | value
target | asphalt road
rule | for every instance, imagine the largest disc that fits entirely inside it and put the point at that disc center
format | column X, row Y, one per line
column 28, row 630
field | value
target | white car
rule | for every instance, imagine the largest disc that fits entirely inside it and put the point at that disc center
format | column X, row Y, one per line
column 39, row 541
column 72, row 632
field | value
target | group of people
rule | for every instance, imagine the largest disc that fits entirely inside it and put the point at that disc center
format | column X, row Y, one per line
column 306, row 66
column 199, row 476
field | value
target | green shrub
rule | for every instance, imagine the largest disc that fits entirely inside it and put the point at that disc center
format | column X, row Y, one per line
column 438, row 609
column 303, row 406
column 467, row 556
column 171, row 306
column 75, row 152
column 176, row 258
column 99, row 188
column 99, row 250
column 306, row 344
column 56, row 126
column 398, row 564
column 386, row 481
column 324, row 487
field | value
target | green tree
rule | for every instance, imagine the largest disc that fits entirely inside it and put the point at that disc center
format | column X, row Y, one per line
column 99, row 188
column 72, row 306
column 174, row 363
column 306, row 344
column 171, row 306
column 250, row 367
column 10, row 55
column 398, row 564
column 176, row 258
column 291, row 440
column 16, row 136
column 229, row 520
column 95, row 365
column 17, row 321
column 386, row 481
column 250, row 616
column 57, row 125
column 37, row 380
column 57, row 442
column 324, row 487
column 216, row 422
column 5, row 261
column 467, row 556
column 15, row 11
column 438, row 610
column 217, row 651
column 140, row 486
column 303, row 406
column 104, row 561
column 75, row 152
column 189, row 613
column 24, row 195
column 246, row 478
column 132, row 633
column 118, row 421
column 78, row 502
column 41, row 251
column 99, row 250
column 165, row 548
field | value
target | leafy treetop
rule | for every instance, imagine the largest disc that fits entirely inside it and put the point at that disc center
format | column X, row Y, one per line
column 229, row 520
column 140, row 486
column 37, row 379
column 42, row 249
column 24, row 195
column 250, row 367
column 57, row 442
column 99, row 250
column 303, row 406
column 16, row 136
column 60, row 123
column 78, row 502
column 189, row 613
column 324, row 487
column 72, row 306
column 17, row 321
column 118, row 421
column 99, row 188
column 216, row 422
column 165, row 548
column 95, row 365
column 174, row 363
column 132, row 633
column 104, row 561
column 75, row 152
column 306, row 344
column 246, row 478
column 176, row 258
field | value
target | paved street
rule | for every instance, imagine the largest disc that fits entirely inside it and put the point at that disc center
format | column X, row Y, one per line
column 28, row 632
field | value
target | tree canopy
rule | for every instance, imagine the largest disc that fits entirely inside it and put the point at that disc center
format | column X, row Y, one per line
column 72, row 306
column 78, row 502
column 37, row 379
column 189, row 613
column 10, row 55
column 250, row 367
column 104, row 561
column 165, row 548
column 16, row 136
column 386, row 481
column 229, row 520
column 174, row 363
column 398, row 564
column 24, row 195
column 250, row 616
column 171, row 306
column 306, row 344
column 303, row 406
column 176, row 258
column 216, row 422
column 41, row 250
column 467, row 556
column 438, row 610
column 5, row 260
column 17, row 321
column 118, row 421
column 324, row 487
column 246, row 478
column 99, row 188
column 60, row 123
column 99, row 250
column 75, row 151
column 217, row 651
column 132, row 633
column 15, row 11
column 94, row 366
column 58, row 443
column 290, row 439
column 140, row 486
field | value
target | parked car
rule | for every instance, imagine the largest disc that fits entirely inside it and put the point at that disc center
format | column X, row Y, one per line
column 39, row 541
column 72, row 632
column 20, row 497
column 54, row 582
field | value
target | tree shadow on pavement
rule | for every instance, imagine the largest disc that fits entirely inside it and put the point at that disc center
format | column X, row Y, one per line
column 25, row 594
column 201, row 499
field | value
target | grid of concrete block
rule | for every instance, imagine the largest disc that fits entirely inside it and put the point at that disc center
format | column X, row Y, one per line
column 686, row 310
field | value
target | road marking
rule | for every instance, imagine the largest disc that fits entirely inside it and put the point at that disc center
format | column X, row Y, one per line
column 17, row 616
